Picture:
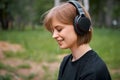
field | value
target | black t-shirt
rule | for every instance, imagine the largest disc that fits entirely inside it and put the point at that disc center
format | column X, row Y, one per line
column 89, row 67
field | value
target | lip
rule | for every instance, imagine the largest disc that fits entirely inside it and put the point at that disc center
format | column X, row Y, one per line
column 60, row 42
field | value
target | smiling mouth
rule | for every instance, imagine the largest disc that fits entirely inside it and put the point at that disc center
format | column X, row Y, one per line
column 60, row 42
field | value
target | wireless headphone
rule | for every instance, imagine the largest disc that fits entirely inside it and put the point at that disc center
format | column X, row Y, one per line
column 81, row 22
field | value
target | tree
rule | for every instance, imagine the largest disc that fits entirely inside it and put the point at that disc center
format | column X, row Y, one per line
column 108, row 12
column 5, row 15
column 86, row 4
column 12, row 10
column 56, row 2
column 103, row 13
column 40, row 7
column 30, row 11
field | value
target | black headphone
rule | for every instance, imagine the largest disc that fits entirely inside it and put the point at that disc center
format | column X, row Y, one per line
column 81, row 22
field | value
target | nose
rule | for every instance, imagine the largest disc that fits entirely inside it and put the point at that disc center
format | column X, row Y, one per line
column 55, row 34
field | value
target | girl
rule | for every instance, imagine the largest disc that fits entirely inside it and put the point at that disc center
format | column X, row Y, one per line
column 70, row 25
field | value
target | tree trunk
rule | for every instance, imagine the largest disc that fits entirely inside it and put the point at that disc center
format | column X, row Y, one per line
column 86, row 4
column 4, row 16
column 56, row 2
column 4, row 20
column 108, row 16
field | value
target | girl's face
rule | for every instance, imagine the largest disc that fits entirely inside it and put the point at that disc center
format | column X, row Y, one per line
column 64, row 34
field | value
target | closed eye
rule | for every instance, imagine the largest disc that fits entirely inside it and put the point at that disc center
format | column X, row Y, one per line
column 59, row 30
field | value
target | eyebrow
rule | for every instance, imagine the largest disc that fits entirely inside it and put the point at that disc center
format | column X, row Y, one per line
column 58, row 26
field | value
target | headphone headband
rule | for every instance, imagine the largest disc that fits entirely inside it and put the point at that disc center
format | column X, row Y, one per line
column 77, row 6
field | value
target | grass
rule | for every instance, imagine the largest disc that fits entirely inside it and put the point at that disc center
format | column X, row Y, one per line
column 25, row 66
column 106, row 43
column 39, row 46
column 5, row 77
column 7, row 67
column 38, row 42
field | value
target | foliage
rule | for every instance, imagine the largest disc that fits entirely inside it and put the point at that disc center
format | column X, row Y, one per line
column 116, row 12
column 5, row 77
column 41, row 6
column 104, row 12
column 30, row 11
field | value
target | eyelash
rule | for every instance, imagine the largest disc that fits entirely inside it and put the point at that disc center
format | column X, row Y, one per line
column 59, row 30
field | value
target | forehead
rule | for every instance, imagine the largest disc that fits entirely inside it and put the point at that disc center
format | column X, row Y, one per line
column 55, row 22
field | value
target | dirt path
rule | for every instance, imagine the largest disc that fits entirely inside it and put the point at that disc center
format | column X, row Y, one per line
column 20, row 69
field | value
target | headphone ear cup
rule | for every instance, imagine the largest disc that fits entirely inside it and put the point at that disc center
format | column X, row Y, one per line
column 84, row 24
column 81, row 25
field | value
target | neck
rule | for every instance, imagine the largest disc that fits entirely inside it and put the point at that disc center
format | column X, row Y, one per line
column 79, row 51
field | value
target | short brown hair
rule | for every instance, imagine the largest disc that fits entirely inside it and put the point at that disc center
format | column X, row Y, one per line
column 65, row 13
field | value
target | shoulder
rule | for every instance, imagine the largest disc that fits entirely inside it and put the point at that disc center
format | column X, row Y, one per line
column 95, row 68
column 65, row 59
column 95, row 63
column 67, row 56
column 62, row 66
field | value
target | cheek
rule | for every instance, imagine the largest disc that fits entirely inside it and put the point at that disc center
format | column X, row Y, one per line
column 70, row 30
column 71, row 36
column 72, row 33
column 69, row 33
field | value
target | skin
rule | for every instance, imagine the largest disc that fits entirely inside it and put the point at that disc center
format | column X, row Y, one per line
column 67, row 39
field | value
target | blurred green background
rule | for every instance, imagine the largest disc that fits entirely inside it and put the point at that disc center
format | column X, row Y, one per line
column 16, row 14
column 27, row 50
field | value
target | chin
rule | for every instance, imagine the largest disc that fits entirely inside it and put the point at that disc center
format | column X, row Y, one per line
column 63, row 47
